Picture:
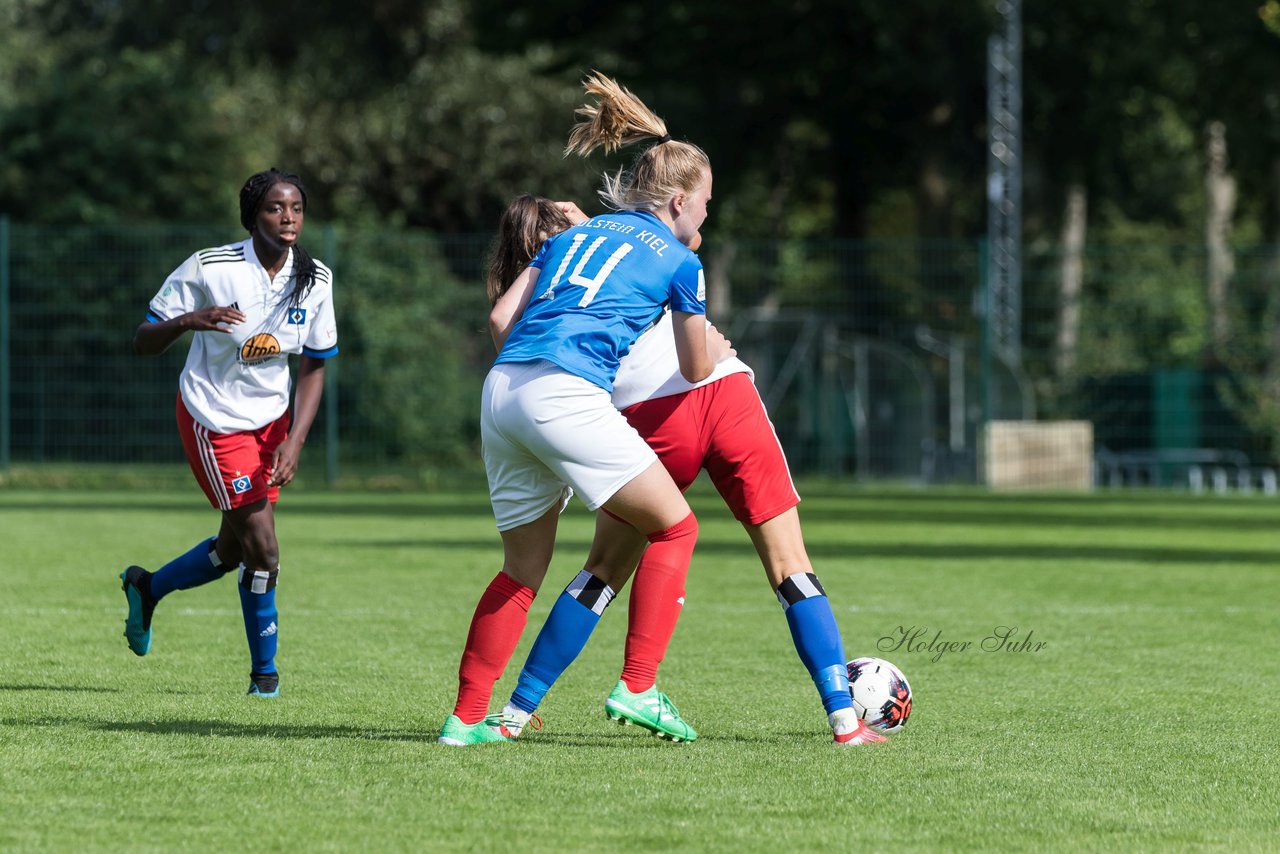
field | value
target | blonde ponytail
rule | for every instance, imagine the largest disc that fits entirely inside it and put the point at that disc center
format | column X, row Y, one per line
column 619, row 118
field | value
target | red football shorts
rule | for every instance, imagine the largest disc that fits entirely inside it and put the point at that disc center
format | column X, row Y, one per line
column 722, row 427
column 231, row 468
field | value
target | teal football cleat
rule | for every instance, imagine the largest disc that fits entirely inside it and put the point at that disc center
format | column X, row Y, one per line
column 265, row 685
column 136, row 583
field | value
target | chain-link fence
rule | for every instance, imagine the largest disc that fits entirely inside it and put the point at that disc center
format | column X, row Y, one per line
column 873, row 357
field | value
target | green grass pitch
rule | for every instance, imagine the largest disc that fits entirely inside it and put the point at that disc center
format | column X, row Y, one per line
column 1146, row 717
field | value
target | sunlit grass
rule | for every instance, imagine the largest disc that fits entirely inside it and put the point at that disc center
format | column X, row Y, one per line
column 1145, row 718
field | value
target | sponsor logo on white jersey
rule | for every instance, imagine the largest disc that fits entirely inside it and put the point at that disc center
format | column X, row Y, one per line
column 259, row 349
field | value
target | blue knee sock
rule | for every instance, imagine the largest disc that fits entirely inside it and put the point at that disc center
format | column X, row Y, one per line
column 817, row 638
column 569, row 625
column 258, row 604
column 198, row 566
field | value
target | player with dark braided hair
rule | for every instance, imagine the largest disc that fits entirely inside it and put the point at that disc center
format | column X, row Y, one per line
column 249, row 304
column 251, row 196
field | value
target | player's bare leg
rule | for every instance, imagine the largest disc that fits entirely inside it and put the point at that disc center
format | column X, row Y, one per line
column 780, row 543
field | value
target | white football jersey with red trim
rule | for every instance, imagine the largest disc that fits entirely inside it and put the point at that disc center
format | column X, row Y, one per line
column 651, row 368
column 239, row 380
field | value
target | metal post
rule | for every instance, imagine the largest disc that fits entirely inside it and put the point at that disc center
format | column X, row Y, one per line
column 829, row 444
column 6, row 409
column 331, row 379
column 986, row 339
column 955, row 394
column 1004, row 181
column 862, row 398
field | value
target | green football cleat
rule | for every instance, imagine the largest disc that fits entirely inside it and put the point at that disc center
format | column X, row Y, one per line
column 650, row 709
column 137, row 625
column 457, row 734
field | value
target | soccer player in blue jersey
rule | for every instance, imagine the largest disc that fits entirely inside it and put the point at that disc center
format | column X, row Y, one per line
column 547, row 423
column 249, row 305
column 718, row 424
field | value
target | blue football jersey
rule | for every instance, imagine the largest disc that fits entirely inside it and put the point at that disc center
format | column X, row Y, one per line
column 600, row 285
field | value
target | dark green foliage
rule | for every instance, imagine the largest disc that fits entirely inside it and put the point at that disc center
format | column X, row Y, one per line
column 822, row 118
column 414, row 349
column 123, row 138
column 77, row 295
column 845, row 119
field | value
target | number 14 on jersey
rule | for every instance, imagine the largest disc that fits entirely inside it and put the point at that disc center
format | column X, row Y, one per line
column 578, row 277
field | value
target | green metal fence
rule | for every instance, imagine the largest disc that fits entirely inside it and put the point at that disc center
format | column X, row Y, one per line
column 872, row 356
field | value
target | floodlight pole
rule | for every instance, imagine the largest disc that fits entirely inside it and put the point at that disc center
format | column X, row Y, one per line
column 1004, row 184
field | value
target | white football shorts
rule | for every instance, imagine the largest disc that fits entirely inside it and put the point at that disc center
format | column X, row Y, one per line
column 547, row 434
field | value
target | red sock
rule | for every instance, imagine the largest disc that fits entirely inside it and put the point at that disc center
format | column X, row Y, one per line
column 657, row 595
column 495, row 630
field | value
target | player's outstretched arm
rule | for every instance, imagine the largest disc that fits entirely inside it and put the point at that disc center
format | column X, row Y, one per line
column 152, row 339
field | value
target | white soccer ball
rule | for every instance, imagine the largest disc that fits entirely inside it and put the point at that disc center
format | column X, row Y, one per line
column 881, row 695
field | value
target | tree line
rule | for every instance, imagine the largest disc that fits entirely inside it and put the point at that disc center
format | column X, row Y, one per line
column 1146, row 123
column 831, row 118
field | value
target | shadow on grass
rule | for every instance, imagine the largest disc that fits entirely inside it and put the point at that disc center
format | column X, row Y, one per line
column 970, row 510
column 617, row 737
column 934, row 552
column 230, row 729
column 851, row 506
column 227, row 729
column 634, row 737
column 463, row 506
column 1005, row 517
column 76, row 688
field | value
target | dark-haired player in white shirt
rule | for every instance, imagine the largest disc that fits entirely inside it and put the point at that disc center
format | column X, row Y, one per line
column 249, row 305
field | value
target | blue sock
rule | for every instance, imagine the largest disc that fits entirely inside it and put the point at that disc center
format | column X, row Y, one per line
column 198, row 566
column 817, row 638
column 565, row 633
column 258, row 603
